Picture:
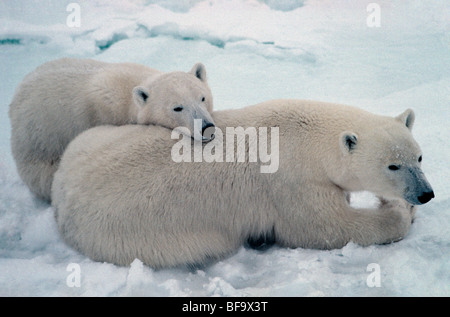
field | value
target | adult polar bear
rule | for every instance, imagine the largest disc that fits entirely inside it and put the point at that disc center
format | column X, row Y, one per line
column 62, row 98
column 119, row 196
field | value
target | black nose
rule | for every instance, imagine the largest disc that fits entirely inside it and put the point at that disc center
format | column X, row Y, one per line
column 426, row 197
column 208, row 131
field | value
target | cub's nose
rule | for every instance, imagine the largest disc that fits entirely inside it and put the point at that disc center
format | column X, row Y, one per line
column 426, row 197
column 208, row 131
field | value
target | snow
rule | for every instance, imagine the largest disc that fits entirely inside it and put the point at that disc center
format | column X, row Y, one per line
column 254, row 50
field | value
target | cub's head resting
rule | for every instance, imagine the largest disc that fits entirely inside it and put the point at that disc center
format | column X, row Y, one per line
column 177, row 99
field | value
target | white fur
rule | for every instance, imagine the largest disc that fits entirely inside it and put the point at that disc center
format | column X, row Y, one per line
column 62, row 98
column 119, row 196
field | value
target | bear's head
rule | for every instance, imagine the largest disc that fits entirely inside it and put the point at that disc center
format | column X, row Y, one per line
column 177, row 99
column 386, row 160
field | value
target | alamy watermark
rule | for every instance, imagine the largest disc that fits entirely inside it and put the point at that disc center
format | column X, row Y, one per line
column 374, row 278
column 239, row 143
column 74, row 18
column 374, row 17
column 74, row 278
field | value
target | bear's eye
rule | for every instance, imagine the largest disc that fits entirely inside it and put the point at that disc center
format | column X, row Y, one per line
column 203, row 99
column 420, row 159
column 394, row 167
column 178, row 109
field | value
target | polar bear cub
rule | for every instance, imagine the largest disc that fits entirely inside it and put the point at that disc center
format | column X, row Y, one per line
column 62, row 98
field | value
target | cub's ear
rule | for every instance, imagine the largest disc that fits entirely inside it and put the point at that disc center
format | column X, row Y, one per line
column 199, row 71
column 407, row 118
column 140, row 95
column 348, row 141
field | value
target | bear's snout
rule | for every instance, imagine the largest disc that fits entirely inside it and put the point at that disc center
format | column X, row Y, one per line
column 208, row 130
column 426, row 197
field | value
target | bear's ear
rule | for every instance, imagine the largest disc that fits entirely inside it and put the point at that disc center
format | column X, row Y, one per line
column 140, row 95
column 348, row 141
column 407, row 118
column 199, row 71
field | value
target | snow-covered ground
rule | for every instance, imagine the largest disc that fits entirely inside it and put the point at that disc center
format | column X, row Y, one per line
column 254, row 50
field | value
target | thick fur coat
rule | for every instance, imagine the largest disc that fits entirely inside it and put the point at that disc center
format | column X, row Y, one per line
column 118, row 195
column 62, row 98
